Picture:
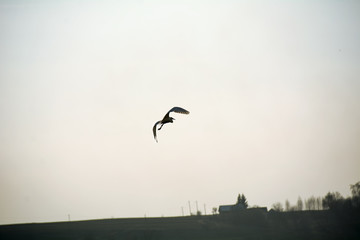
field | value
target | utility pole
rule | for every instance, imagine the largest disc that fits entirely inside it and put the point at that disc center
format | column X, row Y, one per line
column 197, row 209
column 189, row 208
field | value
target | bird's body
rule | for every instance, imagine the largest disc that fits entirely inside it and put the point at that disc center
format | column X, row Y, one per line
column 168, row 119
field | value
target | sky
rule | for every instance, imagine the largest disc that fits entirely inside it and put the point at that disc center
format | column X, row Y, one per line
column 273, row 90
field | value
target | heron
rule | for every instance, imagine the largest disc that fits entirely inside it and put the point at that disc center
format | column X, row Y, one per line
column 168, row 119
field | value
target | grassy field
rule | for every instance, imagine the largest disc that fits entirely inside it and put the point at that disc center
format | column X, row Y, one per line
column 244, row 225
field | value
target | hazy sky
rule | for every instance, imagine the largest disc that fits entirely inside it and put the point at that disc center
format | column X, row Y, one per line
column 273, row 90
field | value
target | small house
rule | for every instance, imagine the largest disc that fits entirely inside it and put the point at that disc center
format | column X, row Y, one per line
column 225, row 208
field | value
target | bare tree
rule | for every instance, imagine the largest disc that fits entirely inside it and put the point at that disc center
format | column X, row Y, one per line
column 355, row 192
column 214, row 210
column 300, row 204
column 278, row 207
column 319, row 203
column 310, row 203
column 287, row 205
column 355, row 189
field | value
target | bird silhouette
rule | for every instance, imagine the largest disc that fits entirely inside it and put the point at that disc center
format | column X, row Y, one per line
column 168, row 119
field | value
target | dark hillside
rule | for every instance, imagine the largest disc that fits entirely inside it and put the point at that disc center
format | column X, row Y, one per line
column 243, row 225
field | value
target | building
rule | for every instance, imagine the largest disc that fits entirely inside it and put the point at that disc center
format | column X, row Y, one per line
column 225, row 208
column 231, row 208
column 239, row 207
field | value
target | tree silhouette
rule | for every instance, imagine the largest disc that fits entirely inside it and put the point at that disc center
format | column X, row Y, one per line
column 310, row 203
column 287, row 205
column 355, row 192
column 318, row 203
column 278, row 207
column 300, row 204
column 355, row 189
column 332, row 200
column 214, row 210
column 242, row 201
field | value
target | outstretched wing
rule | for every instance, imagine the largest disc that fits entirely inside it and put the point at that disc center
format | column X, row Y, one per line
column 154, row 130
column 177, row 110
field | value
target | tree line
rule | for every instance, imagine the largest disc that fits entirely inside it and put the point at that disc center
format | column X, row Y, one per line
column 332, row 201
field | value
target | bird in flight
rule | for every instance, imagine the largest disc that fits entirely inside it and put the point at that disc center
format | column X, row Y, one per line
column 168, row 119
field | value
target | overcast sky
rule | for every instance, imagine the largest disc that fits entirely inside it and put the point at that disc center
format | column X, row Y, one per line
column 273, row 90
